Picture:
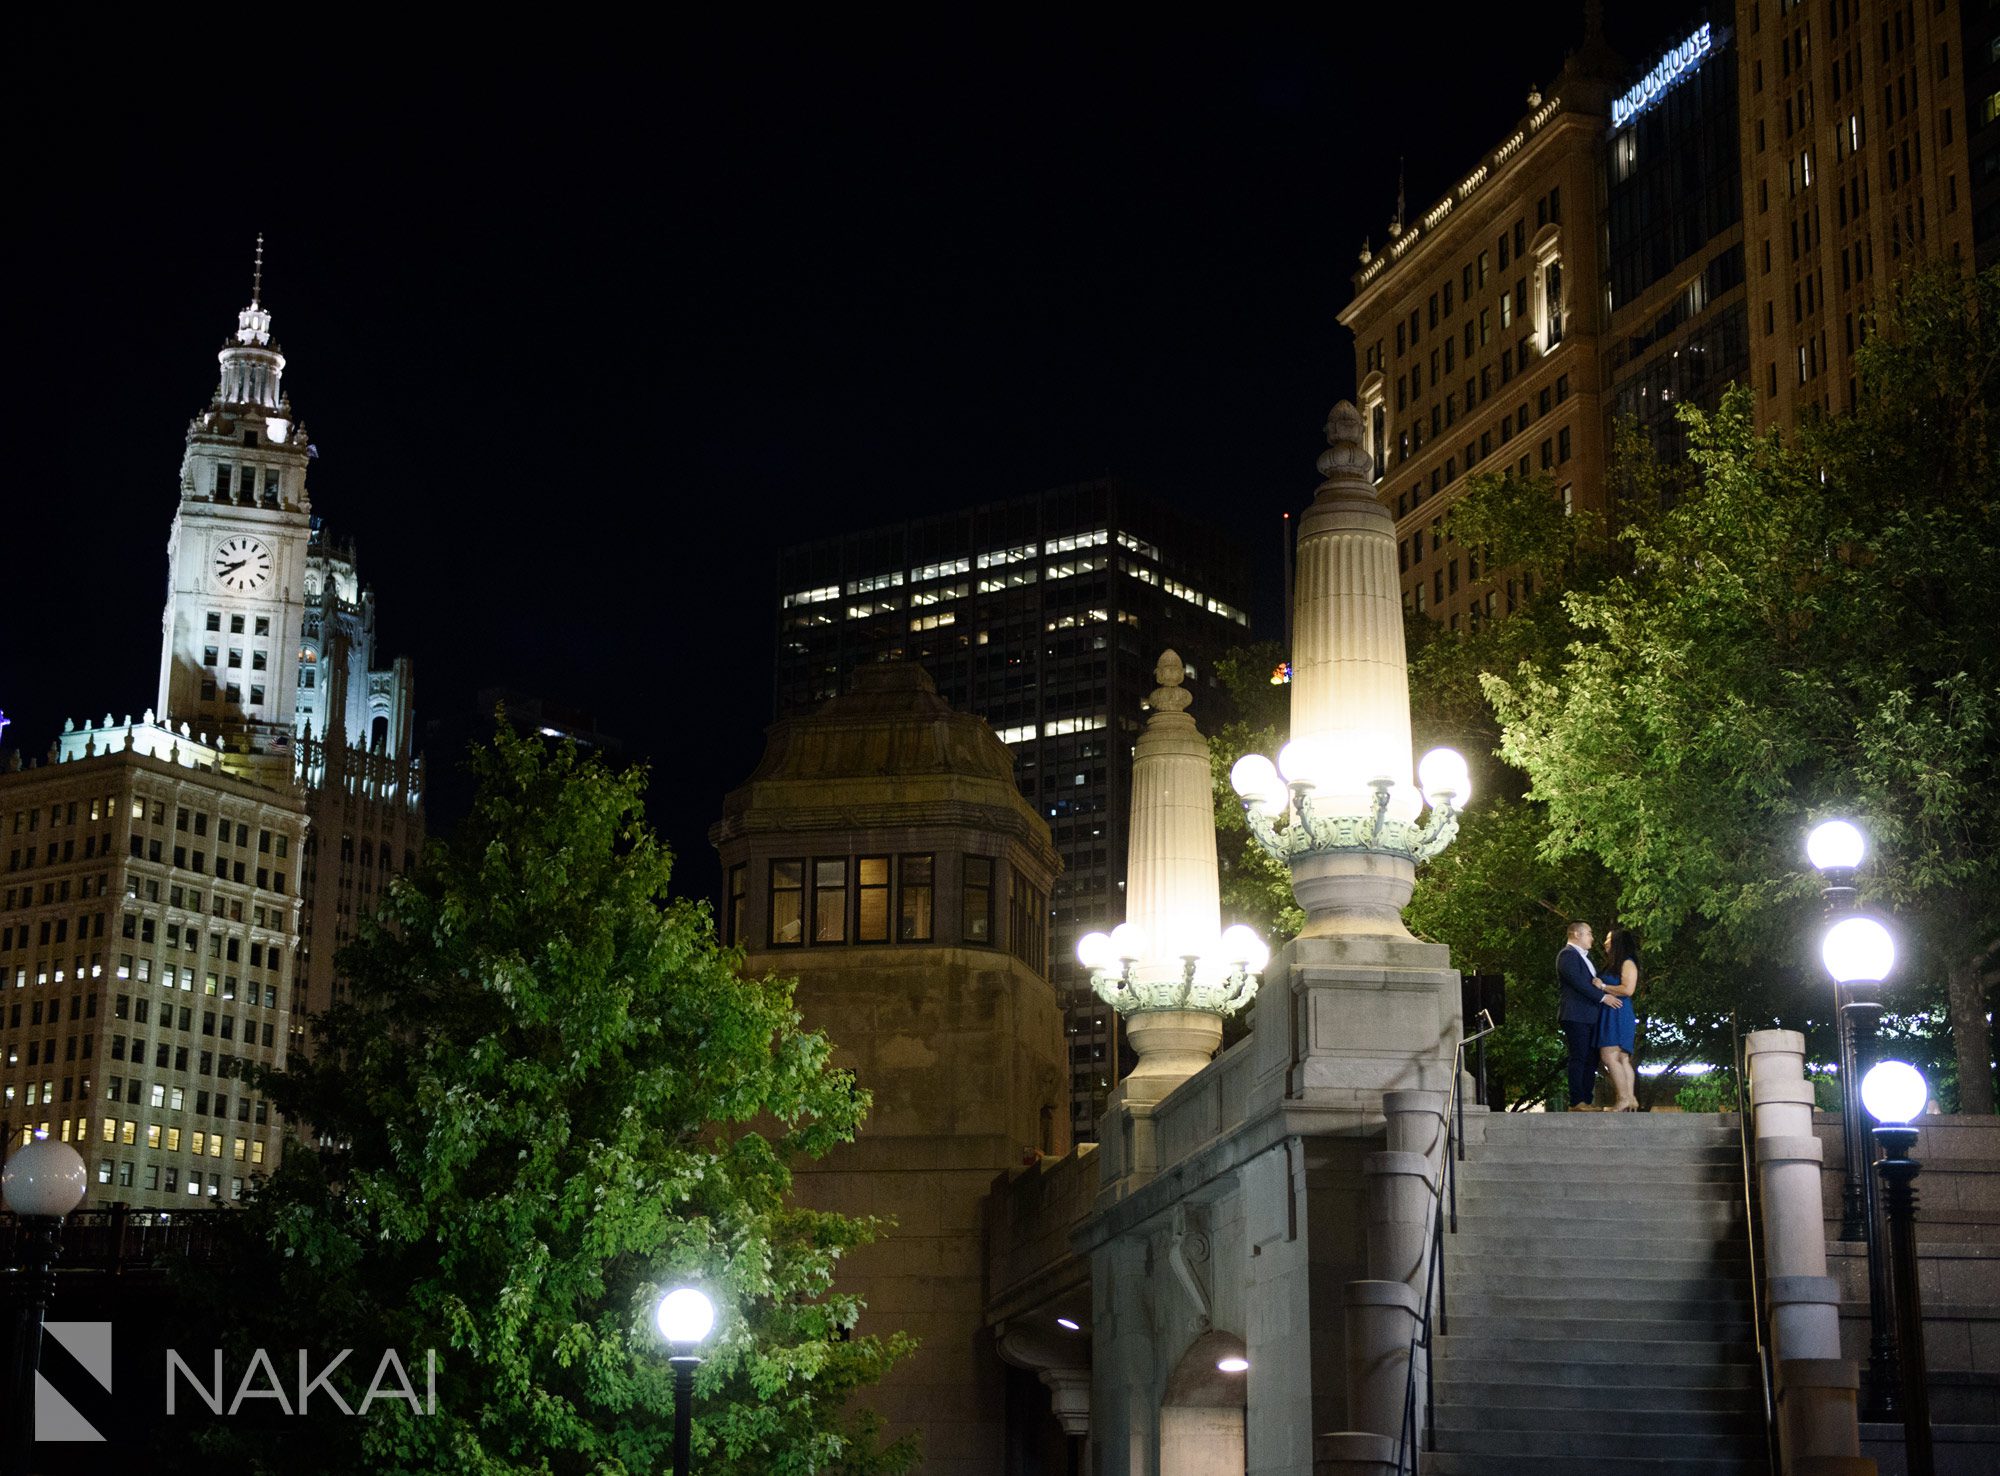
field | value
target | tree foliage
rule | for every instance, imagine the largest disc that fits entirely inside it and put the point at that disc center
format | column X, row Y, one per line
column 1802, row 632
column 547, row 1094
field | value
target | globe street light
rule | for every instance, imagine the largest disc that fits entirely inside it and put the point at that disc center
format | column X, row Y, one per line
column 1896, row 1095
column 43, row 1181
column 1859, row 951
column 684, row 1317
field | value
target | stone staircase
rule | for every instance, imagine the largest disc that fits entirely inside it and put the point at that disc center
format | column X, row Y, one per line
column 1599, row 1298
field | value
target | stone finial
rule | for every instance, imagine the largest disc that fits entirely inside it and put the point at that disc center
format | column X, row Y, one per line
column 1346, row 449
column 149, row 717
column 1534, row 95
column 1170, row 695
column 69, row 725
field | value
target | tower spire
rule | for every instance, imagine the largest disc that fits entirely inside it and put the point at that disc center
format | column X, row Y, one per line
column 257, row 275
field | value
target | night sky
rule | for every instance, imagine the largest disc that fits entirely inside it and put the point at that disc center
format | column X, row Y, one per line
column 584, row 335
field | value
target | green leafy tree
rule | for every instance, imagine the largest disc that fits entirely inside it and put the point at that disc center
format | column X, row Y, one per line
column 1802, row 631
column 546, row 1095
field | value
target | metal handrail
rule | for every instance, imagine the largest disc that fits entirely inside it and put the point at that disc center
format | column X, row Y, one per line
column 1409, row 1438
column 1750, row 1209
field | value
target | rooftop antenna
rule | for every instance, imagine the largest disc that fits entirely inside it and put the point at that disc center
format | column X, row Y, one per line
column 257, row 275
column 1396, row 225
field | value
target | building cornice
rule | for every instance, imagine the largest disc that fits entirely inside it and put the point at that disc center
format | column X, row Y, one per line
column 1538, row 133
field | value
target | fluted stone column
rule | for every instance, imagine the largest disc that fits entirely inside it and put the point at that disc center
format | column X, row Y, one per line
column 1171, row 888
column 1350, row 683
column 1817, row 1430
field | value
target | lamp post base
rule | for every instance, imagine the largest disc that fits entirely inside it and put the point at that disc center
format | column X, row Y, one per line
column 684, row 1365
column 1899, row 1172
column 37, row 1281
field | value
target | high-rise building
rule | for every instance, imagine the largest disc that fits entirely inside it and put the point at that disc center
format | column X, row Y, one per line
column 1979, row 66
column 1043, row 615
column 1731, row 207
column 1853, row 143
column 148, row 932
column 1478, row 342
column 196, row 871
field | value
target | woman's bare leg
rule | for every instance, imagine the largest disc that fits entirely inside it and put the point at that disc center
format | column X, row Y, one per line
column 1628, row 1083
column 1607, row 1058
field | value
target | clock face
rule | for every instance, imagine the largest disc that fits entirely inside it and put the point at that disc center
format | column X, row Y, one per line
column 242, row 564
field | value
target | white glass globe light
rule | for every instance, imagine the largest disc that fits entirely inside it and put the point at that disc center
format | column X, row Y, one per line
column 1858, row 949
column 1232, row 1364
column 1836, row 845
column 1255, row 779
column 1241, row 945
column 1128, row 940
column 44, row 1178
column 1894, row 1092
column 1302, row 761
column 1094, row 951
column 684, row 1316
column 1442, row 774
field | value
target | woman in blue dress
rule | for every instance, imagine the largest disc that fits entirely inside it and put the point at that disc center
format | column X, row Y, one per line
column 1615, row 1028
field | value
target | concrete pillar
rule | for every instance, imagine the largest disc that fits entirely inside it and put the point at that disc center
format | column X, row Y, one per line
column 1354, row 1453
column 1817, row 1430
column 1805, row 1317
column 1816, row 1421
column 1788, row 1173
column 1381, row 1319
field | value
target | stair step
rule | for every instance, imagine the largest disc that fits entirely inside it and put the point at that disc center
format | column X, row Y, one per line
column 1707, row 1306
column 1689, row 1400
column 1611, row 1417
column 1516, row 1150
column 1465, row 1463
column 1632, row 1346
column 1618, row 1324
column 1561, row 1289
column 1557, row 1215
column 1550, row 1372
column 1675, row 1444
column 1549, row 1172
column 1621, row 1188
column 1489, row 1242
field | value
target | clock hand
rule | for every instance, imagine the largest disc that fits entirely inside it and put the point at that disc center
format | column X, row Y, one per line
column 232, row 568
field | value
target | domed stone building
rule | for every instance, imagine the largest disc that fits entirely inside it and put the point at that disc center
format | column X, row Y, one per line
column 882, row 853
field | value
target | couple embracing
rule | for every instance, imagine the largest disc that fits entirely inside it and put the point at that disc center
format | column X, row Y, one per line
column 1596, row 1016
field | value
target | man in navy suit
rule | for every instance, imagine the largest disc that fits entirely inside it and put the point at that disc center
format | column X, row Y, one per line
column 1582, row 1000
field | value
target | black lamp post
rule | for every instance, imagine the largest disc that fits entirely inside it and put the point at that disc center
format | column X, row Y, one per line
column 1836, row 849
column 1896, row 1094
column 1858, row 952
column 684, row 1318
column 43, row 1181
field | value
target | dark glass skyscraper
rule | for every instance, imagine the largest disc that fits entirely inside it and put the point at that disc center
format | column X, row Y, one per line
column 1045, row 616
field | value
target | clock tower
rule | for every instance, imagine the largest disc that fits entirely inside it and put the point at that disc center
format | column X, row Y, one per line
column 236, row 582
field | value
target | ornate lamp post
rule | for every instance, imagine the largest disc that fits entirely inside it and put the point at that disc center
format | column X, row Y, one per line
column 1171, row 971
column 43, row 1181
column 1896, row 1094
column 1338, row 807
column 684, row 1318
column 1858, row 952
